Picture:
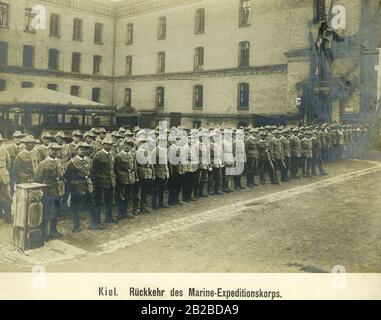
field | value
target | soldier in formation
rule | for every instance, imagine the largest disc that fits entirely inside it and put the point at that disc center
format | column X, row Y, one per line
column 137, row 169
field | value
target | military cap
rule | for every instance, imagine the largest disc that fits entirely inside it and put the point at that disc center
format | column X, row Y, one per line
column 107, row 141
column 28, row 139
column 276, row 132
column 122, row 129
column 1, row 138
column 18, row 134
column 102, row 130
column 60, row 134
column 136, row 129
column 128, row 133
column 263, row 133
column 89, row 134
column 77, row 133
column 115, row 134
column 55, row 146
column 82, row 145
column 95, row 131
column 46, row 134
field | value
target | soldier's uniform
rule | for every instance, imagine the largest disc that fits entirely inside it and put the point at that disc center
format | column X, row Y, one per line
column 5, row 190
column 277, row 155
column 306, row 155
column 146, row 175
column 78, row 178
column 265, row 163
column 204, row 166
column 316, row 155
column 286, row 153
column 50, row 172
column 89, row 139
column 240, row 159
column 295, row 154
column 228, row 150
column 42, row 149
column 216, row 157
column 26, row 163
column 104, row 182
column 72, row 146
column 177, row 172
column 161, row 169
column 126, row 177
column 252, row 157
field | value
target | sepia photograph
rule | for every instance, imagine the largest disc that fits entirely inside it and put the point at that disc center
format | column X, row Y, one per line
column 190, row 137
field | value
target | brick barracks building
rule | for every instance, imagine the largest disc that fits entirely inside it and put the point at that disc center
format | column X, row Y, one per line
column 199, row 62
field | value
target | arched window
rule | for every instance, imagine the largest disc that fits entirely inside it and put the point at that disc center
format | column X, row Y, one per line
column 162, row 28
column 127, row 98
column 161, row 62
column 244, row 13
column 200, row 21
column 243, row 95
column 199, row 58
column 244, row 54
column 198, row 97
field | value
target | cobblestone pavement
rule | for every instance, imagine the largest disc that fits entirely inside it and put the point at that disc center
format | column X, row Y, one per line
column 288, row 228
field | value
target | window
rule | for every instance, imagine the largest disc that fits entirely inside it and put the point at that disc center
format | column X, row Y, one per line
column 4, row 15
column 3, row 52
column 130, row 33
column 3, row 85
column 53, row 59
column 29, row 15
column 128, row 65
column 199, row 58
column 55, row 25
column 127, row 98
column 160, row 97
column 77, row 29
column 96, row 95
column 27, row 84
column 200, row 21
column 161, row 62
column 162, row 30
column 75, row 91
column 244, row 13
column 97, row 60
column 53, row 86
column 76, row 62
column 28, row 57
column 198, row 97
column 243, row 96
column 244, row 54
column 98, row 33
column 319, row 8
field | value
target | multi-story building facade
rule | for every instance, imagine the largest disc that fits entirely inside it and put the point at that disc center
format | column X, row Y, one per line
column 199, row 62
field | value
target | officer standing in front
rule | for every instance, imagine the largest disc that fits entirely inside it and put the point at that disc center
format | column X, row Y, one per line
column 78, row 178
column 104, row 181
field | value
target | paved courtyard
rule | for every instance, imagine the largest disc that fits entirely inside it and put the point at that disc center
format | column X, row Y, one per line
column 309, row 225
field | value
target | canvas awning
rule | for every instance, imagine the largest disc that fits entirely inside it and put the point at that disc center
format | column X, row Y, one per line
column 45, row 97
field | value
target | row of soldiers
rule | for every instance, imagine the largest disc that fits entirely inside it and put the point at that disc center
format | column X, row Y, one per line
column 98, row 169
